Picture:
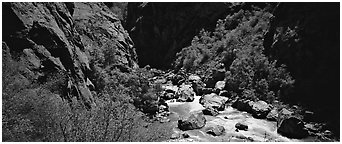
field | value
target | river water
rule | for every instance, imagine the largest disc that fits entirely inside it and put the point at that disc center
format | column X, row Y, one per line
column 258, row 129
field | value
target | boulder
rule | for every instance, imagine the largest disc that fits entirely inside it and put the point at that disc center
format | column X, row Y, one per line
column 194, row 121
column 197, row 86
column 175, row 136
column 170, row 88
column 243, row 105
column 179, row 135
column 204, row 90
column 177, row 79
column 216, row 75
column 194, row 78
column 185, row 135
column 216, row 130
column 169, row 75
column 241, row 126
column 160, row 80
column 272, row 115
column 290, row 126
column 214, row 101
column 224, row 93
column 163, row 108
column 168, row 96
column 164, row 120
column 185, row 93
column 210, row 111
column 312, row 128
column 284, row 111
column 260, row 109
column 220, row 85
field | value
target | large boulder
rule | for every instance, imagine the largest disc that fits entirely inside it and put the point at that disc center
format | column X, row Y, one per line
column 260, row 109
column 215, row 76
column 185, row 93
column 214, row 101
column 194, row 78
column 177, row 79
column 197, row 86
column 175, row 136
column 216, row 130
column 203, row 90
column 272, row 115
column 170, row 88
column 210, row 111
column 241, row 126
column 168, row 96
column 220, row 85
column 224, row 93
column 160, row 80
column 290, row 125
column 179, row 135
column 243, row 105
column 194, row 121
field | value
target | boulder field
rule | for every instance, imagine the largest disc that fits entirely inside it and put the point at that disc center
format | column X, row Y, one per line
column 210, row 117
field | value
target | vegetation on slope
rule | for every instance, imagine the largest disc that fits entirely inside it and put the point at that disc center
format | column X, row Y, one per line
column 237, row 44
column 40, row 111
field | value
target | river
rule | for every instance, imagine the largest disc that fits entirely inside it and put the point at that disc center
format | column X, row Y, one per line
column 258, row 129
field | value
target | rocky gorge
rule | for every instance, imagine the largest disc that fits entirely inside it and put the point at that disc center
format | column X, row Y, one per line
column 207, row 72
column 214, row 117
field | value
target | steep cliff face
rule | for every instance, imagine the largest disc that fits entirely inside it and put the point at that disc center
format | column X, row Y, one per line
column 305, row 36
column 64, row 36
column 160, row 30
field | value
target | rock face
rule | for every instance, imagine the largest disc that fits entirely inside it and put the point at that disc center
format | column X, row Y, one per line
column 101, row 31
column 305, row 37
column 62, row 36
column 160, row 30
column 194, row 121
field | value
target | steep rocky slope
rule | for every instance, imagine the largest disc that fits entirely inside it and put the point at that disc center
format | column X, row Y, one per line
column 305, row 37
column 160, row 30
column 66, row 37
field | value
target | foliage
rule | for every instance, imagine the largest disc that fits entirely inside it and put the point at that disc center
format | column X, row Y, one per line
column 237, row 42
column 35, row 111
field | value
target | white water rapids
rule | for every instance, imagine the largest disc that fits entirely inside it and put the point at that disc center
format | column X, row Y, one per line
column 258, row 129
